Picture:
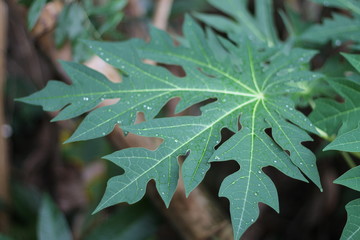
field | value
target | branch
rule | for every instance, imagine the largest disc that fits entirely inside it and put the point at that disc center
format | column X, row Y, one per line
column 162, row 12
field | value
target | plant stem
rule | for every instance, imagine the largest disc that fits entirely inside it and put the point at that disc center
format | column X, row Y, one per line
column 348, row 159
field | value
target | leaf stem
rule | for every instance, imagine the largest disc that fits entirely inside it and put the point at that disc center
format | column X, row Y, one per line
column 348, row 159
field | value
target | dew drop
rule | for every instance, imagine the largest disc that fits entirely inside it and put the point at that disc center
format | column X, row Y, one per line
column 252, row 220
column 256, row 193
column 176, row 140
column 86, row 99
column 217, row 158
column 259, row 171
column 107, row 59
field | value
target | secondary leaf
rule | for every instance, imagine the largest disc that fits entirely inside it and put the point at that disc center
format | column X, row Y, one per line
column 259, row 26
column 352, row 5
column 246, row 79
column 349, row 142
column 352, row 227
column 330, row 115
column 52, row 223
column 350, row 179
column 338, row 29
column 338, row 118
column 34, row 12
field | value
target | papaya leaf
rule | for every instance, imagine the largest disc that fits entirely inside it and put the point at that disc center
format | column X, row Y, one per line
column 52, row 223
column 352, row 227
column 259, row 26
column 352, row 5
column 341, row 118
column 351, row 179
column 251, row 85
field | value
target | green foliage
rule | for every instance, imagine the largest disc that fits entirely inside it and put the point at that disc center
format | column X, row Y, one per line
column 139, row 223
column 34, row 12
column 352, row 227
column 260, row 26
column 339, row 28
column 52, row 224
column 350, row 179
column 255, row 82
column 248, row 80
column 82, row 20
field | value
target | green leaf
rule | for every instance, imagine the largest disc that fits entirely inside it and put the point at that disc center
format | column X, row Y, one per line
column 135, row 222
column 34, row 12
column 338, row 29
column 349, row 142
column 251, row 85
column 353, row 5
column 3, row 237
column 70, row 23
column 354, row 59
column 341, row 119
column 259, row 26
column 52, row 223
column 350, row 179
column 330, row 115
column 352, row 227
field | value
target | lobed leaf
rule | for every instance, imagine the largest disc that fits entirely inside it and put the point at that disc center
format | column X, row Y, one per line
column 352, row 227
column 350, row 179
column 252, row 85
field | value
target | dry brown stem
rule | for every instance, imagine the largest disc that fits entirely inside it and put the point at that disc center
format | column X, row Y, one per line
column 162, row 12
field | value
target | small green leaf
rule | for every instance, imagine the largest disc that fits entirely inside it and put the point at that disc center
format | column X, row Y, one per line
column 348, row 141
column 350, row 179
column 34, row 12
column 354, row 59
column 330, row 115
column 341, row 119
column 338, row 29
column 352, row 227
column 259, row 26
column 137, row 222
column 52, row 224
column 352, row 5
